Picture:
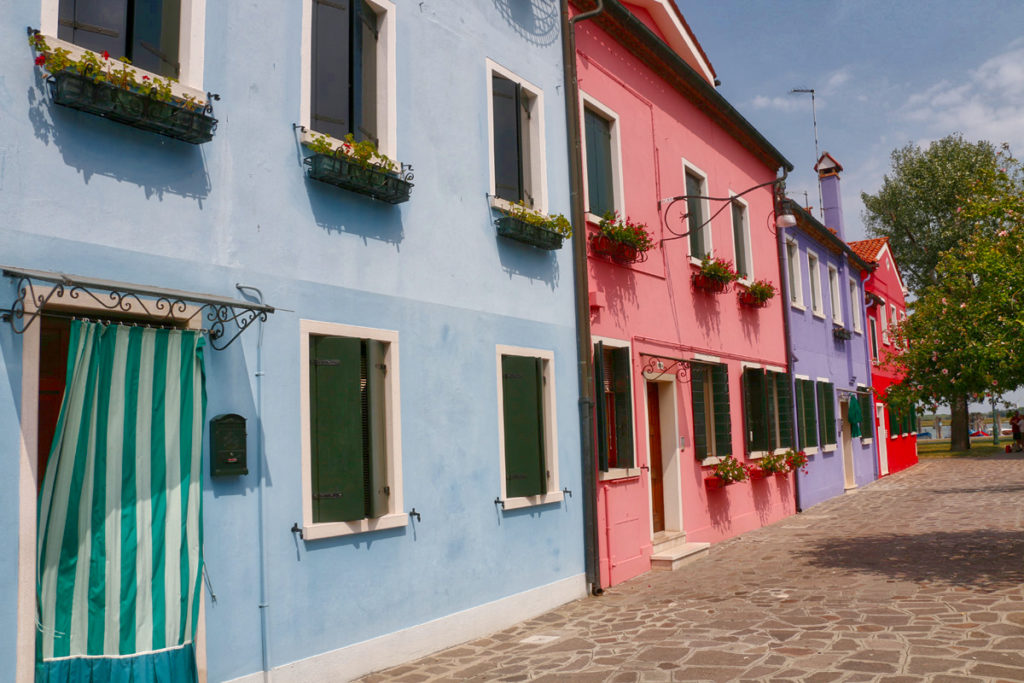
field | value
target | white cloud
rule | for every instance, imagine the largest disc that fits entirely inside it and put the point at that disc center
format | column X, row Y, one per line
column 781, row 103
column 836, row 80
column 989, row 105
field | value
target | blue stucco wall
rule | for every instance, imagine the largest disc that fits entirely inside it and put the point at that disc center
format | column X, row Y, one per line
column 815, row 353
column 91, row 197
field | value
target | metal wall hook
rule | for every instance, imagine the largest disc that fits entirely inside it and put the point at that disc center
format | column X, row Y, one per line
column 413, row 513
column 297, row 529
column 567, row 492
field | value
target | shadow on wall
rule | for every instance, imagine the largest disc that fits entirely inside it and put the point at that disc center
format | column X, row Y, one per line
column 537, row 21
column 338, row 210
column 750, row 320
column 95, row 146
column 528, row 261
column 980, row 558
column 719, row 506
column 618, row 284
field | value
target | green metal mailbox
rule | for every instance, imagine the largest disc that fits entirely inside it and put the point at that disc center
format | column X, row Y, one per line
column 227, row 446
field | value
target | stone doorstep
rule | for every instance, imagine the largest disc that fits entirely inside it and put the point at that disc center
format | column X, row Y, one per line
column 678, row 554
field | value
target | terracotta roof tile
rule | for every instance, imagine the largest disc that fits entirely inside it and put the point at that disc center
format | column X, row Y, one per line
column 868, row 249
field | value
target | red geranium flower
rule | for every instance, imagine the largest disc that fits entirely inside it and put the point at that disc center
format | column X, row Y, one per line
column 106, row 55
column 145, row 78
column 40, row 60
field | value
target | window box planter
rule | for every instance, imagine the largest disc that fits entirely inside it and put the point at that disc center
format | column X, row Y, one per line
column 751, row 301
column 756, row 474
column 606, row 247
column 841, row 333
column 714, row 483
column 346, row 173
column 138, row 110
column 708, row 284
column 534, row 235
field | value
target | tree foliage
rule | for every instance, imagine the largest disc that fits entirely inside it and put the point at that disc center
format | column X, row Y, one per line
column 966, row 334
column 920, row 204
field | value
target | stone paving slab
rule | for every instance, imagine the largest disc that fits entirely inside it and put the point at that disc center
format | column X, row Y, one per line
column 916, row 577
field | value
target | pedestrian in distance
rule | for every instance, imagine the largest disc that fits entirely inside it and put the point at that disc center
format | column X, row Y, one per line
column 1015, row 428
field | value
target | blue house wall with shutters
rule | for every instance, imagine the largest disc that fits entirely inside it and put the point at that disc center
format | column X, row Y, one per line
column 414, row 359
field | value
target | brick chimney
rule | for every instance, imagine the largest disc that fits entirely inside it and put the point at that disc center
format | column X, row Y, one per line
column 832, row 203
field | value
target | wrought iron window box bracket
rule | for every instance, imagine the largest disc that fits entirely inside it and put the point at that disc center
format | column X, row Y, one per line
column 225, row 318
column 375, row 182
column 527, row 233
column 71, row 89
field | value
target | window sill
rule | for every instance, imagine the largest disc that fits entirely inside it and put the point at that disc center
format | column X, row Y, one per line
column 828, row 449
column 313, row 532
column 857, row 331
column 798, row 306
column 813, row 450
column 619, row 473
column 839, row 322
column 819, row 314
column 866, row 442
column 592, row 218
column 696, row 261
column 711, row 460
column 532, row 501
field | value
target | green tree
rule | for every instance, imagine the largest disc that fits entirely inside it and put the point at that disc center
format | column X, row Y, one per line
column 921, row 209
column 966, row 336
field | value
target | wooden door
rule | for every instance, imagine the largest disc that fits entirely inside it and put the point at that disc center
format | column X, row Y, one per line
column 654, row 458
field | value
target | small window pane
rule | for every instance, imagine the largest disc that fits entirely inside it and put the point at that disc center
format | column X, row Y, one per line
column 508, row 169
column 694, row 208
column 739, row 237
column 599, row 163
column 331, row 66
column 155, row 36
column 98, row 25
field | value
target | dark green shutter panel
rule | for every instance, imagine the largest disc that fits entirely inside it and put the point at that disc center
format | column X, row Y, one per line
column 96, row 25
column 508, row 163
column 754, row 417
column 600, row 408
column 739, row 239
column 822, row 419
column 698, row 373
column 336, row 413
column 623, row 407
column 364, row 73
column 331, row 96
column 801, row 415
column 828, row 391
column 378, row 490
column 894, row 426
column 809, row 439
column 867, row 414
column 720, row 400
column 155, row 29
column 784, row 396
column 522, row 389
column 695, row 215
column 600, row 190
column 912, row 417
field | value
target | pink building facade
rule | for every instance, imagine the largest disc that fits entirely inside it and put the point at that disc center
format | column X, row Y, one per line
column 677, row 365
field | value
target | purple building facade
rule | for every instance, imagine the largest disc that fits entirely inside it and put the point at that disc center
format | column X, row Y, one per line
column 829, row 348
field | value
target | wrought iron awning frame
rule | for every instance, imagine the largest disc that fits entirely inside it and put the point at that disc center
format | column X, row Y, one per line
column 227, row 317
column 657, row 366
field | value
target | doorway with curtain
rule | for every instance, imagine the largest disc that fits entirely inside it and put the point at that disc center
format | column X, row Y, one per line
column 119, row 533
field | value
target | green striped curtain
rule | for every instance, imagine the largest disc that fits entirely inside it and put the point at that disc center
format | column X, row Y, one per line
column 120, row 516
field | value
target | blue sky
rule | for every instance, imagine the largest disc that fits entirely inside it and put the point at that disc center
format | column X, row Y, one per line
column 885, row 73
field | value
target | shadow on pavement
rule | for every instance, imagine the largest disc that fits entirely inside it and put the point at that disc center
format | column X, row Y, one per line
column 997, row 488
column 981, row 558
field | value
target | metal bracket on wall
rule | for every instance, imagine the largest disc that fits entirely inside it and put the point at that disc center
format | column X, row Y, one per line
column 499, row 501
column 226, row 318
column 655, row 367
column 413, row 513
column 296, row 529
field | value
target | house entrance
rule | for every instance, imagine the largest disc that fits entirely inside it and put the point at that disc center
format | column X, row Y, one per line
column 655, row 459
column 883, row 439
column 849, row 478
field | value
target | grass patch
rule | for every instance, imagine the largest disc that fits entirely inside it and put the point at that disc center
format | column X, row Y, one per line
column 980, row 447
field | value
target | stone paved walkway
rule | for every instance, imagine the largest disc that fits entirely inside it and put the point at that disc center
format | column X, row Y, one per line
column 917, row 577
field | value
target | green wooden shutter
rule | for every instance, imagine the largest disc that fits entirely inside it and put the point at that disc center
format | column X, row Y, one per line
column 600, row 193
column 336, row 429
column 784, row 397
column 698, row 377
column 754, row 418
column 508, row 164
column 809, row 438
column 720, row 401
column 867, row 415
column 364, row 72
column 600, row 409
column 376, row 372
column 801, row 416
column 894, row 425
column 828, row 391
column 622, row 386
column 522, row 396
column 331, row 65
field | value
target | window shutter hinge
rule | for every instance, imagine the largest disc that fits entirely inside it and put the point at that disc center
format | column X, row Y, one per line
column 382, row 367
column 386, row 490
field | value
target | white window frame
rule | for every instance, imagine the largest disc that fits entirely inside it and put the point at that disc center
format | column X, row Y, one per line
column 873, row 340
column 618, row 193
column 894, row 320
column 705, row 208
column 622, row 472
column 883, row 323
column 554, row 493
column 746, row 236
column 387, row 110
column 793, row 272
column 814, row 284
column 396, row 516
column 191, row 43
column 538, row 180
column 856, row 305
column 834, row 294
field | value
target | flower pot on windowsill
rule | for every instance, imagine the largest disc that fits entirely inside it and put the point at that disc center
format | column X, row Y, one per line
column 620, row 252
column 715, row 483
column 708, row 284
column 138, row 110
column 757, row 474
column 748, row 299
column 841, row 333
column 341, row 171
column 534, row 235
